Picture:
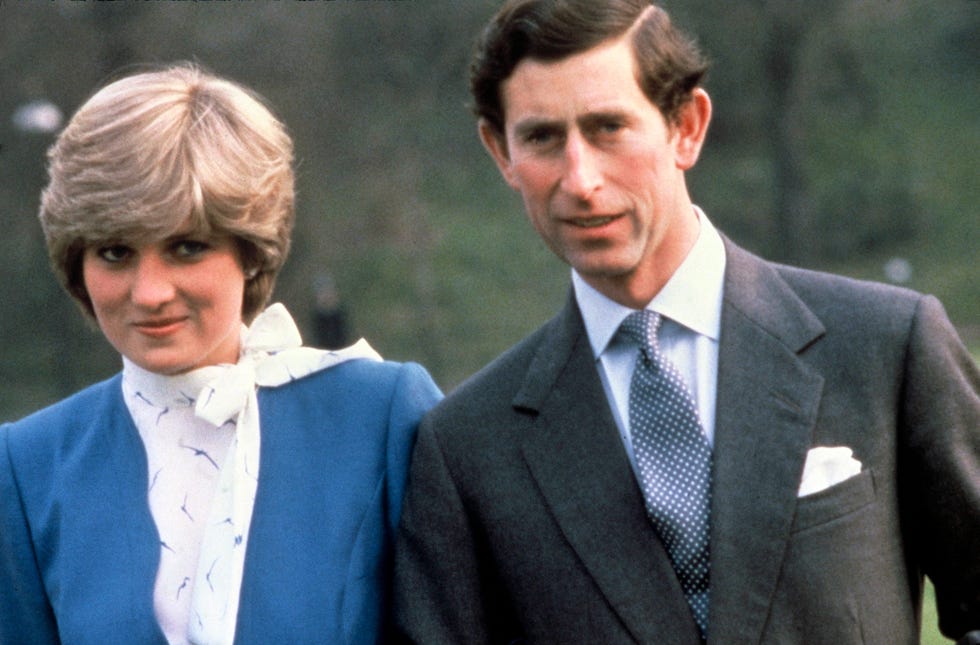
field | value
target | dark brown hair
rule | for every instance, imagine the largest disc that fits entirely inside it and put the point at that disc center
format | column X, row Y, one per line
column 669, row 63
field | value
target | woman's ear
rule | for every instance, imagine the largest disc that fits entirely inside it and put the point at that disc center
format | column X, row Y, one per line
column 690, row 129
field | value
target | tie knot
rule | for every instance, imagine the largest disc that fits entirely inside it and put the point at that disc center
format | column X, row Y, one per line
column 640, row 327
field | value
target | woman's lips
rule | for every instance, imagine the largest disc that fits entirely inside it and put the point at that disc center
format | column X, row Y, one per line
column 160, row 327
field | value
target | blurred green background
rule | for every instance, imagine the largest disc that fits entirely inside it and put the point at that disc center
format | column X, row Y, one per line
column 844, row 138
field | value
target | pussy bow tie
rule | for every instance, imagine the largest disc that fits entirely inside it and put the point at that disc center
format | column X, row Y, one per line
column 271, row 355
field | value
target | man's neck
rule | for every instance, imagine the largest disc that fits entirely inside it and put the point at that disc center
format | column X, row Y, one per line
column 639, row 287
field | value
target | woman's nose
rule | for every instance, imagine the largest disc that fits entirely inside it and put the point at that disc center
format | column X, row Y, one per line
column 152, row 281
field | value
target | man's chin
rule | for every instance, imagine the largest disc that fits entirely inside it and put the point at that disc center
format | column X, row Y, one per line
column 601, row 268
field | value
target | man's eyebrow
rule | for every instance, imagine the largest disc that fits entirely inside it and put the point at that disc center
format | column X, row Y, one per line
column 604, row 116
column 528, row 126
column 589, row 119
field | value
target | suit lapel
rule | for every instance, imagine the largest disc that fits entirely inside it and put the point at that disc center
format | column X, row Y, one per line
column 576, row 456
column 766, row 406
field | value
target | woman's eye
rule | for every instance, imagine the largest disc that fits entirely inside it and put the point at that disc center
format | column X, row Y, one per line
column 190, row 248
column 115, row 253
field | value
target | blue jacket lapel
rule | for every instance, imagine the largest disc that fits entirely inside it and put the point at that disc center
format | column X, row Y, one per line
column 136, row 552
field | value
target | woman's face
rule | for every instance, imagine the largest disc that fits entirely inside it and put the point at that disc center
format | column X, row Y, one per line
column 169, row 306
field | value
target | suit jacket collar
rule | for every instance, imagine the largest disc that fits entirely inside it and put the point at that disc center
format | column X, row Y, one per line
column 577, row 458
column 766, row 408
column 767, row 403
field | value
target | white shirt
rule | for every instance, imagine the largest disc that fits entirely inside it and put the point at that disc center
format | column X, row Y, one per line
column 185, row 455
column 690, row 304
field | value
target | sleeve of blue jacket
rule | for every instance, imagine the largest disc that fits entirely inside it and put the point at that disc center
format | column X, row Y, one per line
column 25, row 614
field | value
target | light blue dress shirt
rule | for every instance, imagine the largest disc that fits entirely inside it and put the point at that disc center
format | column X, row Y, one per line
column 690, row 303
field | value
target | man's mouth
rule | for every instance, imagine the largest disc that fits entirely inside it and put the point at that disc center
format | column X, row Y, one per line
column 592, row 222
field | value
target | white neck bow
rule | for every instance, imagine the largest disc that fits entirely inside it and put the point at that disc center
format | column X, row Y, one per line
column 271, row 355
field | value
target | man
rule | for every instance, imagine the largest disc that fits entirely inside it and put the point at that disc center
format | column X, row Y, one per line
column 819, row 436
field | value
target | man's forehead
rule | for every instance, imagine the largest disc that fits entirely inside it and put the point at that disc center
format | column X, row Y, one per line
column 599, row 80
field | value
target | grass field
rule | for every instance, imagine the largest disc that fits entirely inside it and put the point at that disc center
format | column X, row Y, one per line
column 930, row 629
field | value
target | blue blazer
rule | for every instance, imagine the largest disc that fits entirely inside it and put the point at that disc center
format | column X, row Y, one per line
column 79, row 550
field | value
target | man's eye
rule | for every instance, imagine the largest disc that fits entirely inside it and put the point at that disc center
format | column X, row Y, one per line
column 541, row 137
column 610, row 127
column 190, row 248
column 114, row 253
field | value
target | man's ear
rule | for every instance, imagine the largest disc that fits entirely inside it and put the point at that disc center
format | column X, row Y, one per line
column 496, row 144
column 691, row 128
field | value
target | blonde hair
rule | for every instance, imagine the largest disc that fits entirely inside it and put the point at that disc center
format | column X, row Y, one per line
column 153, row 151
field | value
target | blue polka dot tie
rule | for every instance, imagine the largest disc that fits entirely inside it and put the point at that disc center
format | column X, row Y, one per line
column 674, row 461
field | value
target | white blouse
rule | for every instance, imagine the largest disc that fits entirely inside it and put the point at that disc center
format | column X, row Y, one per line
column 185, row 455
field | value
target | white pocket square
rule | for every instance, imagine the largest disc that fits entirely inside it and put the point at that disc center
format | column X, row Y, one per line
column 826, row 466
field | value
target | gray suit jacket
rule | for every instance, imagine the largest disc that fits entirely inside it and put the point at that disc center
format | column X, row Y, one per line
column 523, row 521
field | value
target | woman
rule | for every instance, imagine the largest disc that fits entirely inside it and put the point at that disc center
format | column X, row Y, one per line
column 228, row 485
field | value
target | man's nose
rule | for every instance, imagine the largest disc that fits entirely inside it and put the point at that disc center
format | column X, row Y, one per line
column 152, row 281
column 582, row 175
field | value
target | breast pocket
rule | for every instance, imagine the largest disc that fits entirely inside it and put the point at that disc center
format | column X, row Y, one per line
column 842, row 499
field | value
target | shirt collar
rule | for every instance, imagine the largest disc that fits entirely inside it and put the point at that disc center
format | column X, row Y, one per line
column 692, row 297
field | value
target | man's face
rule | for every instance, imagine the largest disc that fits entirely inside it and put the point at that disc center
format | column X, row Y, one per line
column 599, row 168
